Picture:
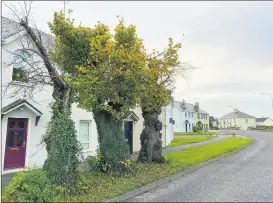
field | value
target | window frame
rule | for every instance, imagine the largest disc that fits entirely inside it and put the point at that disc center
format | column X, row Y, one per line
column 16, row 56
column 89, row 135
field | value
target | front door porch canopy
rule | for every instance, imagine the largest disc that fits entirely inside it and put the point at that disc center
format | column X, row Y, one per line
column 19, row 103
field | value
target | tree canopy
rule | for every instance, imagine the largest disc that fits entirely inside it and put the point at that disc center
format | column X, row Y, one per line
column 106, row 69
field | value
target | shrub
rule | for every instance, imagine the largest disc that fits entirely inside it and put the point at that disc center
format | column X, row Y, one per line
column 93, row 164
column 30, row 186
column 196, row 128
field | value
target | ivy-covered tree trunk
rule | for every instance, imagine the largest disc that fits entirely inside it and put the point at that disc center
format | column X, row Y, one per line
column 61, row 139
column 151, row 144
column 62, row 146
column 112, row 144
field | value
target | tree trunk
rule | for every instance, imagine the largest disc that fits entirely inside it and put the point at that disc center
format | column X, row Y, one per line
column 112, row 144
column 62, row 145
column 151, row 144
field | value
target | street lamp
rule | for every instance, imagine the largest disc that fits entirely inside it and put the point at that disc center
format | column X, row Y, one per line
column 269, row 95
column 234, row 115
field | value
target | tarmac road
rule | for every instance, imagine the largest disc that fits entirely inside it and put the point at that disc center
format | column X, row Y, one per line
column 244, row 177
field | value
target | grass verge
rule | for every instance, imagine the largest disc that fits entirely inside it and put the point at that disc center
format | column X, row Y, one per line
column 183, row 140
column 265, row 130
column 101, row 187
column 195, row 133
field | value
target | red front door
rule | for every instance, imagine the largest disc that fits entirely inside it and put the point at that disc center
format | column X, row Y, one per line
column 15, row 151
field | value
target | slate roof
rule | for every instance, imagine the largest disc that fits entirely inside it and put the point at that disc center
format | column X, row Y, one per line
column 261, row 119
column 189, row 107
column 211, row 118
column 10, row 27
column 17, row 103
column 238, row 114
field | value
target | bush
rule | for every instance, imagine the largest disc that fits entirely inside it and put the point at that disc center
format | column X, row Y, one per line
column 34, row 186
column 196, row 128
column 30, row 186
column 93, row 164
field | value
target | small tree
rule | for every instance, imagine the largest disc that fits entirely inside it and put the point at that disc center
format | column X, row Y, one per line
column 160, row 77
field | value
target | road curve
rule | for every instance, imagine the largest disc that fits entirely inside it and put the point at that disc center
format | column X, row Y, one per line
column 244, row 177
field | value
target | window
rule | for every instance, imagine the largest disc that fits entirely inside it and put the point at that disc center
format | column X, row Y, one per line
column 198, row 115
column 84, row 134
column 246, row 120
column 186, row 114
column 21, row 60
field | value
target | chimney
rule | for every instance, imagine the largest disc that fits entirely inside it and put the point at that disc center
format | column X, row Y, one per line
column 196, row 106
column 183, row 105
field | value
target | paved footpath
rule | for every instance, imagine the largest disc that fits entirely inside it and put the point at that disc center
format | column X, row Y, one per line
column 243, row 177
column 178, row 148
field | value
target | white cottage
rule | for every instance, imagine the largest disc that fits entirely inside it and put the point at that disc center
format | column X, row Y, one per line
column 24, row 120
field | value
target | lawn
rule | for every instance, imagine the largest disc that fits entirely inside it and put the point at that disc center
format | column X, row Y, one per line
column 183, row 140
column 195, row 133
column 100, row 187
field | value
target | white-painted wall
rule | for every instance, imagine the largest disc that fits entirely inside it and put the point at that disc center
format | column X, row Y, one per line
column 169, row 126
column 34, row 155
column 180, row 118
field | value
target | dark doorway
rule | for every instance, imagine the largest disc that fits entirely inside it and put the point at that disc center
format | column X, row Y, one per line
column 128, row 131
column 16, row 138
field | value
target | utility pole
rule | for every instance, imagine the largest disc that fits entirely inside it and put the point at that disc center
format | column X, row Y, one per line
column 234, row 115
column 269, row 95
column 64, row 6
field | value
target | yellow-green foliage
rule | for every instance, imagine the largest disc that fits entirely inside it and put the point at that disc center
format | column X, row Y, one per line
column 105, row 68
column 112, row 71
column 159, row 77
column 183, row 140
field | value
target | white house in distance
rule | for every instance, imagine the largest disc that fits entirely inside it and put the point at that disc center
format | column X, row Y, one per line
column 237, row 119
column 184, row 116
column 24, row 120
column 265, row 121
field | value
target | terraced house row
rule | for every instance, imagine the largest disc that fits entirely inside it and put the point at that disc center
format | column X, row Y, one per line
column 184, row 116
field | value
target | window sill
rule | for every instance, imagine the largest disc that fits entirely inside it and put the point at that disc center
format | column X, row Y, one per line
column 86, row 150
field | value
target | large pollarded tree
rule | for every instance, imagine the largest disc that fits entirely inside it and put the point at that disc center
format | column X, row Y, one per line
column 107, row 71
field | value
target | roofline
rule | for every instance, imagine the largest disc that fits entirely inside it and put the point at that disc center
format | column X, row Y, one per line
column 192, row 105
column 16, row 35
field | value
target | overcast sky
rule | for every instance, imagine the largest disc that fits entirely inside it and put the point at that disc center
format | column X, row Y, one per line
column 231, row 43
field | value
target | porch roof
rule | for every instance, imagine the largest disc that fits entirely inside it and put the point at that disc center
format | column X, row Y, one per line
column 130, row 114
column 20, row 102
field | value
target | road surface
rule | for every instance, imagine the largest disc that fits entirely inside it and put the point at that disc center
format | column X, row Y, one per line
column 244, row 177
